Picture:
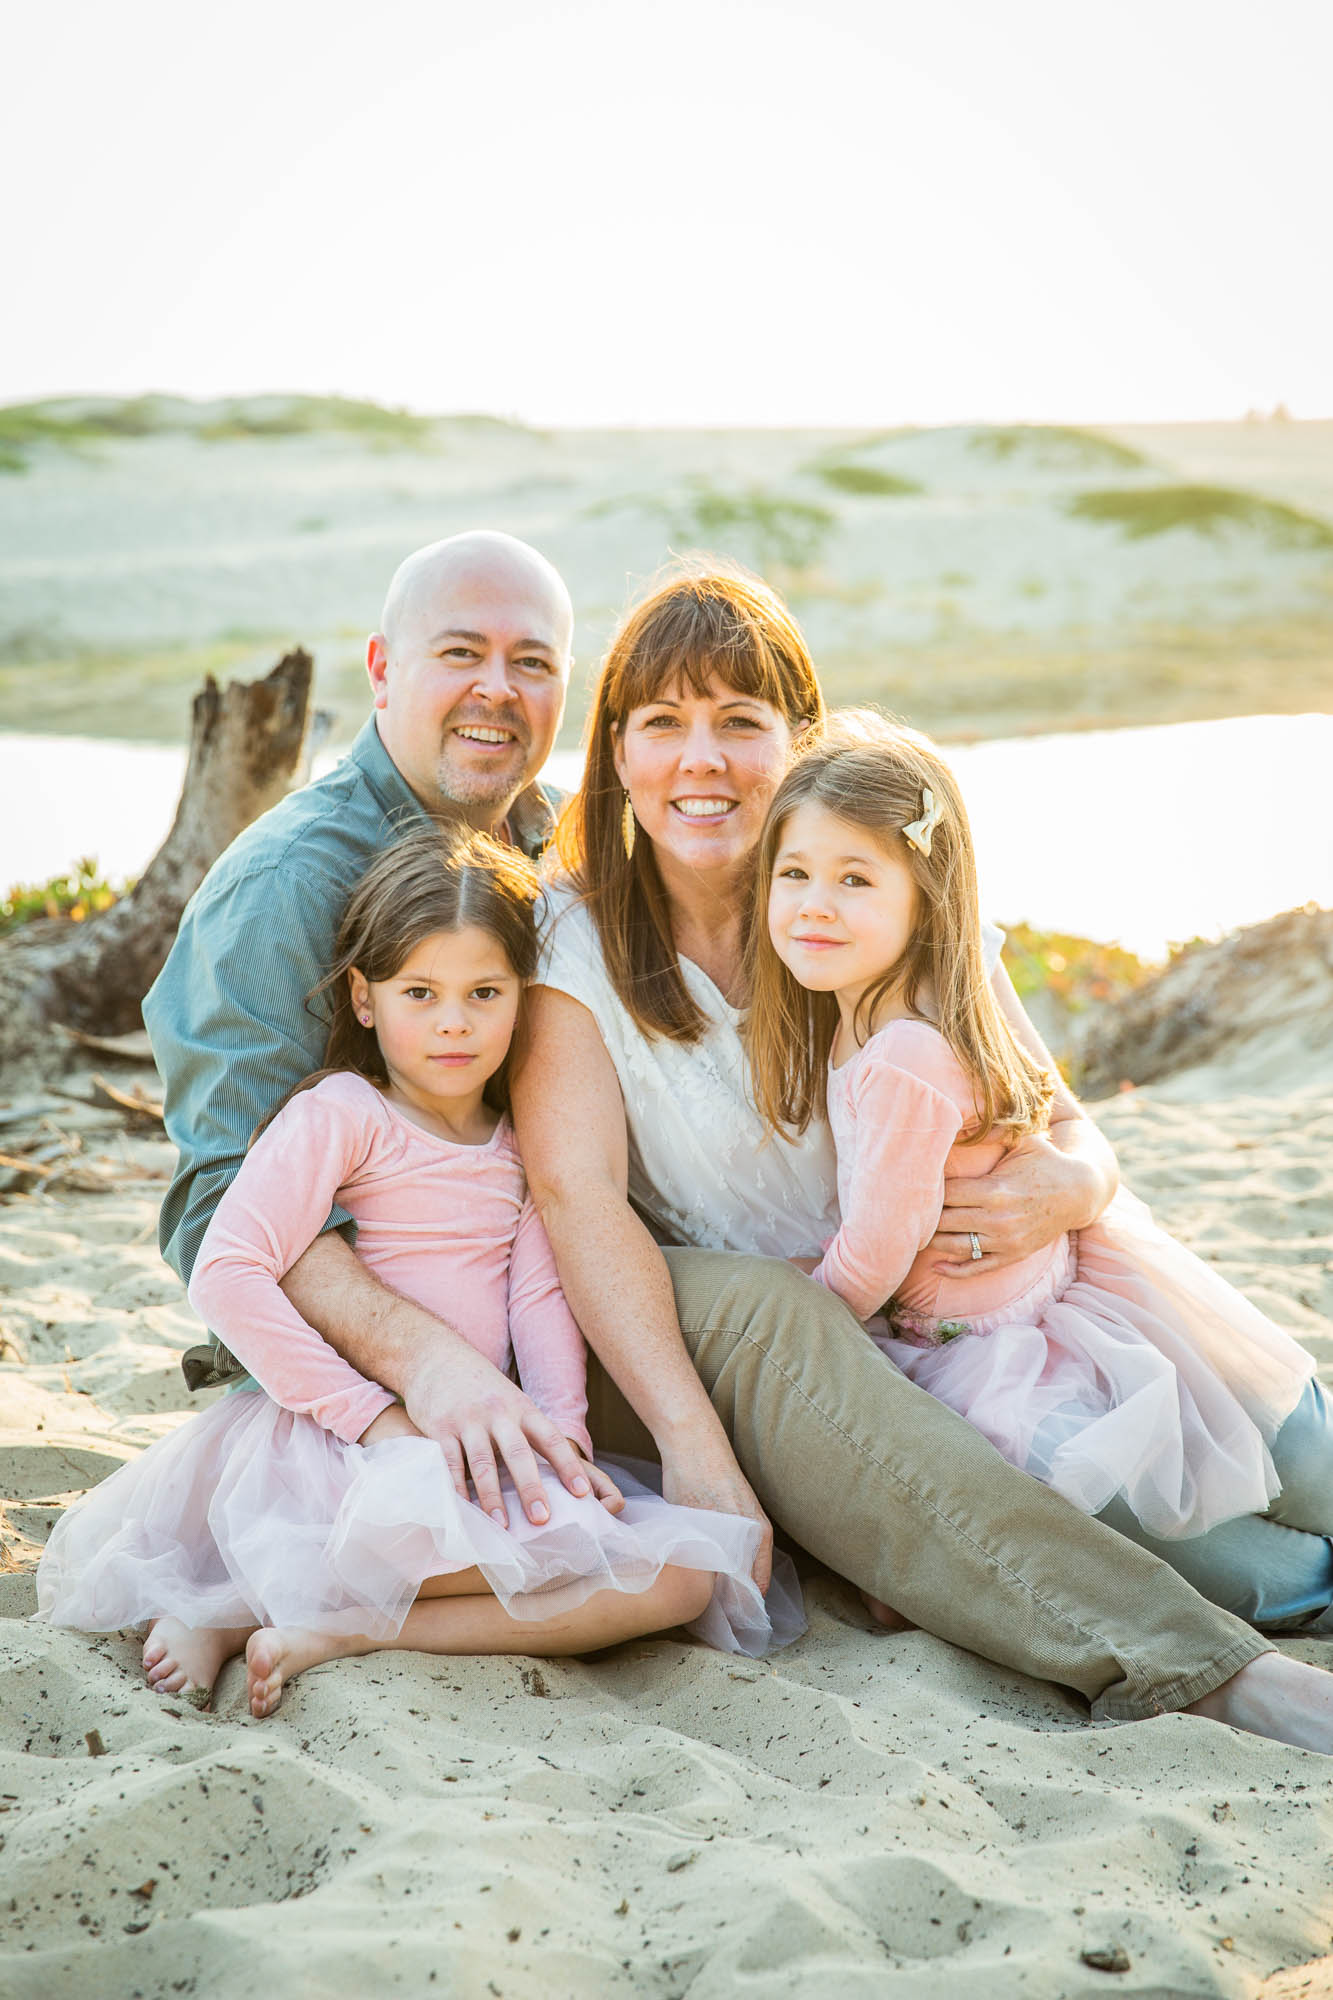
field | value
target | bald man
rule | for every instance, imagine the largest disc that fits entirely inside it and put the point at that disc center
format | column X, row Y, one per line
column 469, row 674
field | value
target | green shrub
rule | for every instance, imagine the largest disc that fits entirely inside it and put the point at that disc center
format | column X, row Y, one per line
column 1075, row 970
column 299, row 416
column 764, row 525
column 1055, row 441
column 80, row 892
column 867, row 479
column 1156, row 510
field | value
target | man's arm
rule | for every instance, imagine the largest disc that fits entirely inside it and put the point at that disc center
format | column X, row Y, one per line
column 1058, row 1181
column 477, row 1416
column 232, row 1034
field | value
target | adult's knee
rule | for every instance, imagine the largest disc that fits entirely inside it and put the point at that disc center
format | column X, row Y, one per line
column 764, row 1301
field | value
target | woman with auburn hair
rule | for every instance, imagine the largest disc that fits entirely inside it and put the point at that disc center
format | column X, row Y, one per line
column 674, row 1215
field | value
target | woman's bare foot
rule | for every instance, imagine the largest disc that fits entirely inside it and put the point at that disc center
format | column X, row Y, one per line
column 187, row 1659
column 1277, row 1697
column 276, row 1652
column 885, row 1615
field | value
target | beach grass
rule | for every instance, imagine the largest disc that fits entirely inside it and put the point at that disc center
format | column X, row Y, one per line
column 79, row 422
column 870, row 481
column 960, row 685
column 772, row 529
column 964, row 686
column 1059, row 441
column 1141, row 512
column 142, row 696
column 296, row 416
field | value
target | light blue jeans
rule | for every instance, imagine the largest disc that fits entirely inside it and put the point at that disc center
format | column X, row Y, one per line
column 1273, row 1569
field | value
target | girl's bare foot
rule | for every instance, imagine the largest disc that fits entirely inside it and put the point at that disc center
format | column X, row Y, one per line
column 1277, row 1697
column 276, row 1652
column 187, row 1659
column 885, row 1615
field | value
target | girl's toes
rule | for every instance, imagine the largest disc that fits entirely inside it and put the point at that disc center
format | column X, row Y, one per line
column 263, row 1664
column 265, row 1695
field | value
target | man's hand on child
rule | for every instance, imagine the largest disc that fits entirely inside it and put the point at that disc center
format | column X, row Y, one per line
column 480, row 1420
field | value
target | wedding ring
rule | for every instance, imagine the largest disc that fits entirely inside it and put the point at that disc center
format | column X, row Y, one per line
column 975, row 1241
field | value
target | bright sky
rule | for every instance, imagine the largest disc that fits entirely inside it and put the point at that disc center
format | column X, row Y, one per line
column 708, row 211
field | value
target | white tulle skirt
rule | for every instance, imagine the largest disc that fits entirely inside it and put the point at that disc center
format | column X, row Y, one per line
column 250, row 1515
column 1131, row 1368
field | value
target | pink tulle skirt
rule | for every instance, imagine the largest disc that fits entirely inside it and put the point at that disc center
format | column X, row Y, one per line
column 247, row 1514
column 1130, row 1368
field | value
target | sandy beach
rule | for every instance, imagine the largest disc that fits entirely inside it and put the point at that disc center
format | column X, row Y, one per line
column 883, row 1813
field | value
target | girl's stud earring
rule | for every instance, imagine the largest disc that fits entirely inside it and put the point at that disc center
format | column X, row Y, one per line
column 629, row 826
column 365, row 1020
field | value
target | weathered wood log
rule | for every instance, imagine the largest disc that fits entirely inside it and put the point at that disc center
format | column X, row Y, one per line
column 248, row 745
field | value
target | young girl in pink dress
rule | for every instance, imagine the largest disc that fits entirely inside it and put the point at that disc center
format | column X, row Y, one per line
column 1113, row 1365
column 313, row 1509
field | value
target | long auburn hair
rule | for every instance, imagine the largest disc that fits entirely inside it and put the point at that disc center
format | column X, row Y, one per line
column 873, row 773
column 703, row 620
column 435, row 879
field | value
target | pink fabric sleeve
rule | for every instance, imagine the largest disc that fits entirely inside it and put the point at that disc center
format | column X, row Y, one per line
column 904, row 1130
column 548, row 1347
column 268, row 1217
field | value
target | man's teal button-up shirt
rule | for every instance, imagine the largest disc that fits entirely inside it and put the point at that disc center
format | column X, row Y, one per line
column 228, row 1014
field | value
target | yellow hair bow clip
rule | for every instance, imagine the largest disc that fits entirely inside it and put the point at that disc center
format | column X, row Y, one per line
column 919, row 832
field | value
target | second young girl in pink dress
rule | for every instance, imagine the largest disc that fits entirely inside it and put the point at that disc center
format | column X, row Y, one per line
column 311, row 1519
column 1113, row 1365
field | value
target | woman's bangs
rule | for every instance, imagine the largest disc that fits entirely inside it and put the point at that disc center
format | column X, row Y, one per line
column 700, row 666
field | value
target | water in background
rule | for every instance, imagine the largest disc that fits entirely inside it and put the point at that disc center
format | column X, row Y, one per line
column 1147, row 836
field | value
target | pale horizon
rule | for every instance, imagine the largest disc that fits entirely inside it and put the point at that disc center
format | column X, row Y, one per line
column 742, row 217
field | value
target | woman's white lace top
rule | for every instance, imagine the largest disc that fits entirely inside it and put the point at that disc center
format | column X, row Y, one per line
column 702, row 1168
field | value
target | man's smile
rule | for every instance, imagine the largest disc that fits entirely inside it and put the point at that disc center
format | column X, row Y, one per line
column 477, row 732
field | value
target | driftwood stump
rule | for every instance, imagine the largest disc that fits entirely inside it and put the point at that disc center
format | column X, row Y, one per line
column 1213, row 999
column 247, row 747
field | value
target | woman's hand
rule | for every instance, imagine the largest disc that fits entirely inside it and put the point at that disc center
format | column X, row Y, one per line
column 710, row 1477
column 391, row 1423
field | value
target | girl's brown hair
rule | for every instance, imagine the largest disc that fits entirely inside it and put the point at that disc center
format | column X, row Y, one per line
column 873, row 774
column 433, row 880
column 702, row 621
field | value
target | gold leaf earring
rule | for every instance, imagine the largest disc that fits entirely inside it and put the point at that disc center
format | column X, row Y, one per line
column 629, row 826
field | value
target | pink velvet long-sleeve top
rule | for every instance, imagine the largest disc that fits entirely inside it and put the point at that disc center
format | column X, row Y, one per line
column 450, row 1226
column 897, row 1108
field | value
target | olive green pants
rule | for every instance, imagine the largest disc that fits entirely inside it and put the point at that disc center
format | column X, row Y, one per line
column 896, row 1492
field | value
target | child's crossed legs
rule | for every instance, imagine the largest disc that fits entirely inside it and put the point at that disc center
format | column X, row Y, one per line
column 452, row 1614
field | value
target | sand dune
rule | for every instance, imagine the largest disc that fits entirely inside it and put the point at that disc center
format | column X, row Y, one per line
column 880, row 1814
column 953, row 573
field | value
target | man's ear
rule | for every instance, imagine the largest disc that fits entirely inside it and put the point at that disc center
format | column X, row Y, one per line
column 377, row 666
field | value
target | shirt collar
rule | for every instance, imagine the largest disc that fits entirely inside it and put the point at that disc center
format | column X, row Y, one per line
column 390, row 788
